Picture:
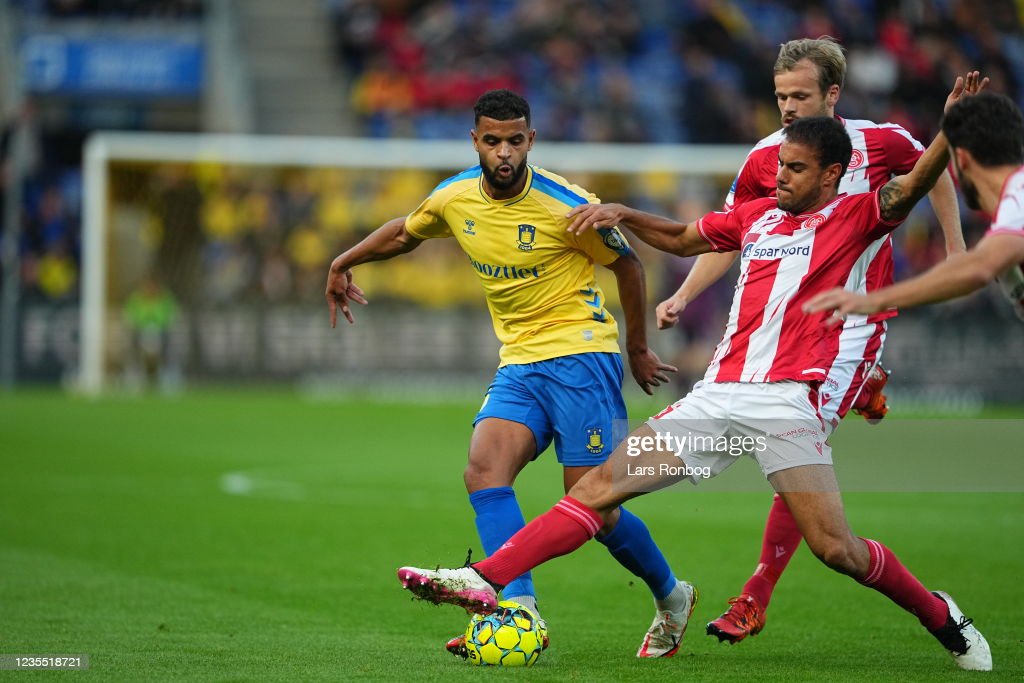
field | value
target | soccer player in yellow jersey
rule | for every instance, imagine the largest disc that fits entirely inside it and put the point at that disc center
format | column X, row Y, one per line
column 560, row 375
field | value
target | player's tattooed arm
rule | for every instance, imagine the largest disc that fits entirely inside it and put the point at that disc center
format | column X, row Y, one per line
column 899, row 195
column 892, row 202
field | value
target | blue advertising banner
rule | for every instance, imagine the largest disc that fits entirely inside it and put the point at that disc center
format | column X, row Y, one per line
column 146, row 66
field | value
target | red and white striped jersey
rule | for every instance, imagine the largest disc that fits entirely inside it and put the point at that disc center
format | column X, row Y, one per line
column 880, row 151
column 1009, row 220
column 786, row 259
column 1009, row 216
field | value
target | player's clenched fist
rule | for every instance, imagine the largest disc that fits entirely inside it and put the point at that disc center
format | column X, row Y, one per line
column 668, row 311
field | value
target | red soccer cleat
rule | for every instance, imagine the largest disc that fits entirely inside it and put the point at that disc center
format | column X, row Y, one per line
column 872, row 404
column 457, row 646
column 743, row 618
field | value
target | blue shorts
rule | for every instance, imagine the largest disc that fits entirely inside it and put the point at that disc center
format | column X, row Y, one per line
column 577, row 400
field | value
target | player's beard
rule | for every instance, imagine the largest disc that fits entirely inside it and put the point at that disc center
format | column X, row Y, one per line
column 499, row 183
column 970, row 191
column 791, row 202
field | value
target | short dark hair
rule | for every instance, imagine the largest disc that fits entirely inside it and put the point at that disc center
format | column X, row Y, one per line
column 501, row 105
column 989, row 126
column 826, row 136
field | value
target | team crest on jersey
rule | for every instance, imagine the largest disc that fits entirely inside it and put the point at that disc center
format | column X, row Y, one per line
column 856, row 160
column 595, row 444
column 813, row 222
column 613, row 240
column 527, row 237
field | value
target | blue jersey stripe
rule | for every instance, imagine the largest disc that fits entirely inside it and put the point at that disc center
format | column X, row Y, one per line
column 559, row 192
column 465, row 175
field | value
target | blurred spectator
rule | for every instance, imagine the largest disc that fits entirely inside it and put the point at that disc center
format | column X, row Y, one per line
column 149, row 315
column 127, row 9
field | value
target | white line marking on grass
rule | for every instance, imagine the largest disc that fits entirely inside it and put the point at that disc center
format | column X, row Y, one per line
column 244, row 484
column 318, row 486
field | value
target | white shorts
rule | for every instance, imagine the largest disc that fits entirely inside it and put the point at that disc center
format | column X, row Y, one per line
column 775, row 423
column 860, row 350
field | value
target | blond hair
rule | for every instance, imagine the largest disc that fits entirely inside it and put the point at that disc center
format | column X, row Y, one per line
column 825, row 53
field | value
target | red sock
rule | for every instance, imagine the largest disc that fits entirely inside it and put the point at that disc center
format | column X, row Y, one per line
column 888, row 576
column 781, row 539
column 559, row 531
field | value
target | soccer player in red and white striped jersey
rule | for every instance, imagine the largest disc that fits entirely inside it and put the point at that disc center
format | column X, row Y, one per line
column 758, row 397
column 986, row 137
column 809, row 75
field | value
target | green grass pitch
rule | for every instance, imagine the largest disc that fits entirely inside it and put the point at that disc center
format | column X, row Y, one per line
column 254, row 536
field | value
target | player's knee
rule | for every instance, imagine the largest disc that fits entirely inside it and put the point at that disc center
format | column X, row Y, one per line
column 480, row 475
column 837, row 553
column 595, row 490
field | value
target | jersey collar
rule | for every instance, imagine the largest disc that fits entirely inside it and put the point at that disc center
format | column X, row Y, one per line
column 824, row 209
column 511, row 200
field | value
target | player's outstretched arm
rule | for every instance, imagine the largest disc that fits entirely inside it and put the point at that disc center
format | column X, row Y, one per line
column 707, row 270
column 647, row 368
column 661, row 233
column 899, row 195
column 390, row 239
column 956, row 276
column 947, row 210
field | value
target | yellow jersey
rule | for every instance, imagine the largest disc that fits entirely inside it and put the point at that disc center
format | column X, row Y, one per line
column 537, row 277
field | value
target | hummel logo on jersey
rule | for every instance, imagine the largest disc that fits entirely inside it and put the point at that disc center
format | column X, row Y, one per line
column 469, row 227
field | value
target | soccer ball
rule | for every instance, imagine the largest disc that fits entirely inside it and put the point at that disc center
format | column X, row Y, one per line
column 509, row 636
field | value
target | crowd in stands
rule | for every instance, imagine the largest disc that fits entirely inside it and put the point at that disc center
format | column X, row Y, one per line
column 117, row 9
column 659, row 70
column 594, row 71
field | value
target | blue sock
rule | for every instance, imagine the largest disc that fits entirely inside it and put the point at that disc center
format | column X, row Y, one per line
column 498, row 517
column 631, row 544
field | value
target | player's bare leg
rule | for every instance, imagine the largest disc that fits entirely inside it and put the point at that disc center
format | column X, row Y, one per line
column 566, row 527
column 498, row 451
column 812, row 494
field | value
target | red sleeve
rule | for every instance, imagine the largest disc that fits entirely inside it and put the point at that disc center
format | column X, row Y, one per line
column 723, row 230
column 869, row 214
column 756, row 179
column 901, row 149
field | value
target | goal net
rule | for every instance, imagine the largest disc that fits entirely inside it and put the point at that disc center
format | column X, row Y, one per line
column 205, row 256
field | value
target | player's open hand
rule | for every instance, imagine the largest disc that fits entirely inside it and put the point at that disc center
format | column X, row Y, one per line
column 341, row 290
column 593, row 216
column 668, row 311
column 841, row 303
column 648, row 370
column 965, row 86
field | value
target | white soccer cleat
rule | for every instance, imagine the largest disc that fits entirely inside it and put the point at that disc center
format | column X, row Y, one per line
column 964, row 641
column 666, row 632
column 462, row 587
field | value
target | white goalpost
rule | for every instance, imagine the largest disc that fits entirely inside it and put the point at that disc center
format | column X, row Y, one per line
column 103, row 150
